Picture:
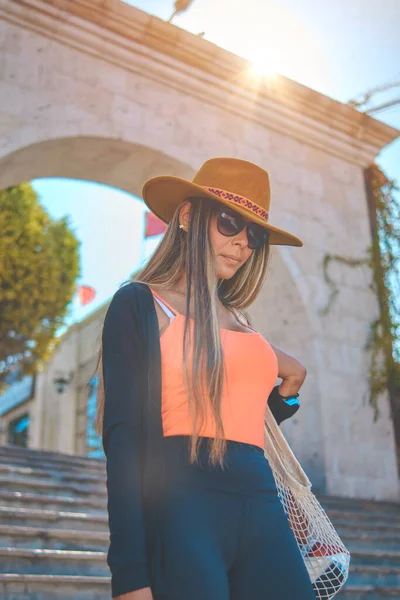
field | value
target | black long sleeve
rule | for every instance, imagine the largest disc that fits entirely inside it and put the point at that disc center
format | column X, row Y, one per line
column 122, row 434
column 279, row 408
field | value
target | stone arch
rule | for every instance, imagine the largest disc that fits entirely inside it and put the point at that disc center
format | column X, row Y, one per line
column 113, row 162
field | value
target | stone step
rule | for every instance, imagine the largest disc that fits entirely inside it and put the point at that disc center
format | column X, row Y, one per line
column 27, row 478
column 99, row 501
column 18, row 451
column 14, row 586
column 53, row 538
column 63, row 519
column 20, row 471
column 369, row 592
column 355, row 541
column 56, row 459
column 342, row 502
column 384, row 558
column 374, row 575
column 51, row 487
column 53, row 466
column 361, row 517
column 32, row 500
column 375, row 567
column 76, row 476
column 64, row 538
column 53, row 519
column 62, row 463
column 363, row 529
column 57, row 562
column 371, row 524
column 42, row 519
column 40, row 456
column 339, row 502
column 80, row 539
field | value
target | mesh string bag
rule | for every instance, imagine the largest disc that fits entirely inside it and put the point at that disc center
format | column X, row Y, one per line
column 326, row 557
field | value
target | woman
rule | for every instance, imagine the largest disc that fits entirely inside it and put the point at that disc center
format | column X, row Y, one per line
column 193, row 508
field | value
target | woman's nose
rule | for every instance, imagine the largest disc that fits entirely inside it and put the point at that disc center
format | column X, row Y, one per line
column 242, row 237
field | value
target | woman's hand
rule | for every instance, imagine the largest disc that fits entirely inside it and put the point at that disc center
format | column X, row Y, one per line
column 143, row 594
column 291, row 371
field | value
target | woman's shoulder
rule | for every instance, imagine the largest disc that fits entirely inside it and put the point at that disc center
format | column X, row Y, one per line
column 128, row 312
column 132, row 296
column 132, row 289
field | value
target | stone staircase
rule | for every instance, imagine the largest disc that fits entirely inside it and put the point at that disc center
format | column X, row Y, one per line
column 54, row 535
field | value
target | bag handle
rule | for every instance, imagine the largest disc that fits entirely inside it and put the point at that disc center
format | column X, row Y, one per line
column 280, row 455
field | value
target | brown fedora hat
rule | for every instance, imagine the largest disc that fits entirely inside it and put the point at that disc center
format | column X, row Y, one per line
column 237, row 183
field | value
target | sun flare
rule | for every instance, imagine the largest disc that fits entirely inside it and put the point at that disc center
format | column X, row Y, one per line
column 262, row 68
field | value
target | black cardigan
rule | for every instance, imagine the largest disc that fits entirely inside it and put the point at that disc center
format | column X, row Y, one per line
column 132, row 435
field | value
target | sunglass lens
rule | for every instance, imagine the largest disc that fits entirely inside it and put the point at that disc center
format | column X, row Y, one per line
column 228, row 223
column 256, row 235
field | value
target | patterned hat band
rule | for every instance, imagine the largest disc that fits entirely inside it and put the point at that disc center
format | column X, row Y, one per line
column 241, row 200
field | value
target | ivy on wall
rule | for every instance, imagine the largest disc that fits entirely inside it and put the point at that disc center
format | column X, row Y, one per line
column 350, row 262
column 383, row 257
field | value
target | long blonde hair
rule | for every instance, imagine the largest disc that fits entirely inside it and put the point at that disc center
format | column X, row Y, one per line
column 191, row 253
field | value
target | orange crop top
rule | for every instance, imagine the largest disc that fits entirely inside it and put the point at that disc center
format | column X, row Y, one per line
column 251, row 369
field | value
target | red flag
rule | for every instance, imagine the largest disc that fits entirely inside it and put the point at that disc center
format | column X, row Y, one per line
column 180, row 6
column 86, row 294
column 154, row 225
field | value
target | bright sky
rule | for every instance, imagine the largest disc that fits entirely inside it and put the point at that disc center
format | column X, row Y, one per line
column 340, row 49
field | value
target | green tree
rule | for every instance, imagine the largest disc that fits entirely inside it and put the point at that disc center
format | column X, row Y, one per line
column 39, row 264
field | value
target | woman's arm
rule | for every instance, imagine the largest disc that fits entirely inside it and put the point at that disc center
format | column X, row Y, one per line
column 291, row 371
column 124, row 388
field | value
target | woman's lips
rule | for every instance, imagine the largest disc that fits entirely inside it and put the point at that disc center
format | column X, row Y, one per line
column 231, row 260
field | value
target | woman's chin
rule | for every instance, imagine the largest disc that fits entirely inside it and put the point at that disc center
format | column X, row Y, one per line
column 226, row 273
column 226, row 268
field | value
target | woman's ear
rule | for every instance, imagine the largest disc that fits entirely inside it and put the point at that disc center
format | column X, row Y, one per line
column 184, row 214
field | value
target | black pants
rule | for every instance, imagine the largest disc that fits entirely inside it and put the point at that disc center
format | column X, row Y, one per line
column 225, row 535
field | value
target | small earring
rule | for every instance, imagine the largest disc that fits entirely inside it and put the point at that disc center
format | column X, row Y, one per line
column 182, row 227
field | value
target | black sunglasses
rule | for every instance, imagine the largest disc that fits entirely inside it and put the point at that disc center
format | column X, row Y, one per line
column 230, row 223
